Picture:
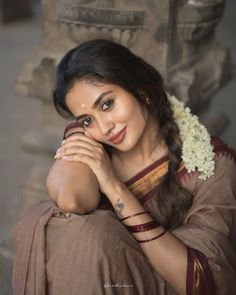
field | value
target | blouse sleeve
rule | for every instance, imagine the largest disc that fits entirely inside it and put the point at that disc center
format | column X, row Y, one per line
column 209, row 231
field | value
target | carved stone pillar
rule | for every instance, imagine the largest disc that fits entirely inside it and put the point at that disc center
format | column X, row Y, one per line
column 203, row 66
column 175, row 36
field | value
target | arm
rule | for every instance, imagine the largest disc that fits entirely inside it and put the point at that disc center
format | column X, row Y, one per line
column 168, row 255
column 199, row 256
column 73, row 185
column 205, row 239
column 209, row 230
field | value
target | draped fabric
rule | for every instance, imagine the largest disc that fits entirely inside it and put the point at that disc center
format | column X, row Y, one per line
column 199, row 275
column 59, row 253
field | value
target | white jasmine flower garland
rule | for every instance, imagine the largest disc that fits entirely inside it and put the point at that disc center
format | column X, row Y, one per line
column 197, row 151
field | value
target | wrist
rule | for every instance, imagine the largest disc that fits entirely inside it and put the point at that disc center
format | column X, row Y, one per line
column 72, row 128
column 114, row 188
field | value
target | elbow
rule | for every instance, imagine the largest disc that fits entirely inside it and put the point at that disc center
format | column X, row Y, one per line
column 70, row 206
column 52, row 189
column 73, row 204
column 71, row 198
column 66, row 201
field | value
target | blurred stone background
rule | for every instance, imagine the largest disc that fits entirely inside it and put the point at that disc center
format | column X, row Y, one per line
column 19, row 115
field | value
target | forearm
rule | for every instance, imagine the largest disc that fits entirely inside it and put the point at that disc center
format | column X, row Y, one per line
column 73, row 186
column 167, row 254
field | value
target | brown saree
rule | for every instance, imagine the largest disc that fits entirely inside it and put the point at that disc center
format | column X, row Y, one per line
column 60, row 254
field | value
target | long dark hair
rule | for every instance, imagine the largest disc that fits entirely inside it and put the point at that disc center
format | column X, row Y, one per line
column 108, row 62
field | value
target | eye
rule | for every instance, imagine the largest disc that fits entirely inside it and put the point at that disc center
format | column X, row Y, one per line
column 87, row 121
column 107, row 104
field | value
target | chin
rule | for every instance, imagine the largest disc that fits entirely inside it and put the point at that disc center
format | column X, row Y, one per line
column 125, row 146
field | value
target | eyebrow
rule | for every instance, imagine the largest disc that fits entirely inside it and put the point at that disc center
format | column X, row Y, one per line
column 95, row 104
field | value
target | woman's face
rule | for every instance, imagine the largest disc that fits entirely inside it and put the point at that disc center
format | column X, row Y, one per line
column 109, row 114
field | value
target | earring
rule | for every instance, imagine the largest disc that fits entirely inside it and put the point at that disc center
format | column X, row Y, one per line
column 147, row 100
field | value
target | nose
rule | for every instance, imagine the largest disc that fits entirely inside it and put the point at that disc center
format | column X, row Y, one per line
column 106, row 125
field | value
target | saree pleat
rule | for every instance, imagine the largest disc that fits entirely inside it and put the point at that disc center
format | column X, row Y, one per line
column 95, row 254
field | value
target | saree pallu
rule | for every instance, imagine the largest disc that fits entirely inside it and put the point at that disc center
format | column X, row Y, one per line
column 72, row 254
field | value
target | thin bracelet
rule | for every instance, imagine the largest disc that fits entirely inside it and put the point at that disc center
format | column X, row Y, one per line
column 133, row 215
column 157, row 237
column 143, row 227
column 70, row 126
column 72, row 133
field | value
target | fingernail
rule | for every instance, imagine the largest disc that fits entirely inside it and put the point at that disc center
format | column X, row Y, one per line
column 63, row 141
column 58, row 151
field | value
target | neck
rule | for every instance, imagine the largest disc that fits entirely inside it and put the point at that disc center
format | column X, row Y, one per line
column 150, row 147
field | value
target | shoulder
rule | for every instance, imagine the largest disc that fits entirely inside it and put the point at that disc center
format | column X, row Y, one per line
column 222, row 149
column 224, row 172
column 225, row 159
column 214, row 199
column 224, row 155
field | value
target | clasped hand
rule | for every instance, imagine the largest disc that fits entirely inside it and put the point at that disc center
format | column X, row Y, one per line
column 79, row 147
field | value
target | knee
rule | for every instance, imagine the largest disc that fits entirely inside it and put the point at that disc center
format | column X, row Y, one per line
column 109, row 230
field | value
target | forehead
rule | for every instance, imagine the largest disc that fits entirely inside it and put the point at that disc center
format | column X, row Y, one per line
column 84, row 93
column 80, row 87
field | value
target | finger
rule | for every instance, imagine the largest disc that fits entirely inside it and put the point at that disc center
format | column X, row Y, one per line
column 72, row 133
column 84, row 138
column 76, row 143
column 72, row 125
column 76, row 128
column 77, row 150
column 96, row 150
column 86, row 159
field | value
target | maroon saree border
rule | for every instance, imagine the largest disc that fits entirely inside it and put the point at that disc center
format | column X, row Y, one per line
column 219, row 148
column 190, row 274
column 205, row 283
column 146, row 170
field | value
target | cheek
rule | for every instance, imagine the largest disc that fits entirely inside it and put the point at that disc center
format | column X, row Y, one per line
column 127, row 112
column 121, row 114
column 92, row 134
column 138, row 116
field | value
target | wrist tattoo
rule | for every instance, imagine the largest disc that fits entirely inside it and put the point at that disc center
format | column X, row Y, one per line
column 119, row 206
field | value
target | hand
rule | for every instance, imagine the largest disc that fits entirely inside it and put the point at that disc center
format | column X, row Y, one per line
column 73, row 128
column 79, row 147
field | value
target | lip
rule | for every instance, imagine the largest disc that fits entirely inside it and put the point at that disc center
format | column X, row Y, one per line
column 118, row 138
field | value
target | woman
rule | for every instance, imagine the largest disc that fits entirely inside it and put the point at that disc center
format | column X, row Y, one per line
column 165, row 223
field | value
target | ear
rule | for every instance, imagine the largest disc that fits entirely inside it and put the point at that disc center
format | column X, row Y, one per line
column 144, row 97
